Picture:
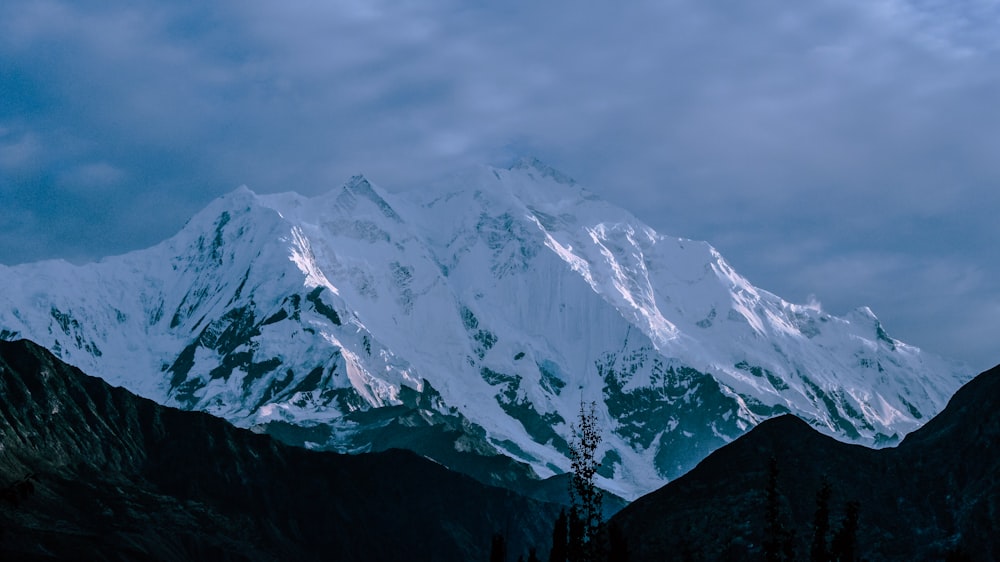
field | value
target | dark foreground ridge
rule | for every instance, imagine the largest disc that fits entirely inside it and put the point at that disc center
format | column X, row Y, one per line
column 90, row 471
column 934, row 497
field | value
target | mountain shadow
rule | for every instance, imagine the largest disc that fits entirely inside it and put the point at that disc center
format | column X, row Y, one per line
column 93, row 472
column 936, row 496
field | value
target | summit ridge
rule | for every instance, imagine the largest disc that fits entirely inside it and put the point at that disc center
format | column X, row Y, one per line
column 472, row 317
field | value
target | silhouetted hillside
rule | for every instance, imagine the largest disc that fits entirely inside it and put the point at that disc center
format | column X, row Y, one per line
column 106, row 475
column 936, row 494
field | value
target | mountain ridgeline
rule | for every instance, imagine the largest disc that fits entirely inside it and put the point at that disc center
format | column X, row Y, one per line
column 934, row 497
column 104, row 475
column 467, row 321
column 90, row 471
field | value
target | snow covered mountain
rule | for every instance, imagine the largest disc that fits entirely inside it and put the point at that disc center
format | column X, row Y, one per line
column 466, row 320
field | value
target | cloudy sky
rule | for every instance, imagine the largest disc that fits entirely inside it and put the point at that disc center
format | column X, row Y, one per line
column 841, row 150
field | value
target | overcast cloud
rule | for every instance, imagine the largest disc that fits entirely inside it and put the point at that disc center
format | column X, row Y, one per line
column 839, row 150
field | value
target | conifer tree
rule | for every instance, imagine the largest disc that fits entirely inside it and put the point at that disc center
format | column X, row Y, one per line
column 560, row 538
column 17, row 492
column 772, row 525
column 617, row 547
column 957, row 554
column 779, row 541
column 498, row 548
column 819, row 551
column 585, row 517
column 575, row 542
column 844, row 545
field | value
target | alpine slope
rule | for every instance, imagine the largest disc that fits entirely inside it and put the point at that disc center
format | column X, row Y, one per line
column 473, row 317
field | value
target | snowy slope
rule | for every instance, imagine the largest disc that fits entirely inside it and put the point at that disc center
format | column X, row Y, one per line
column 488, row 307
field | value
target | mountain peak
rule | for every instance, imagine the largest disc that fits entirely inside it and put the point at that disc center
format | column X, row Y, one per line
column 242, row 190
column 358, row 182
column 494, row 296
column 540, row 186
column 359, row 186
column 240, row 196
column 531, row 163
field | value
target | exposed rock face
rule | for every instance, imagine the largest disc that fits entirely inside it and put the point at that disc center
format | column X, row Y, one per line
column 113, row 476
column 936, row 494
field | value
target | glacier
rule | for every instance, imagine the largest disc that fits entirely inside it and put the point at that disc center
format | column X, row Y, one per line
column 470, row 317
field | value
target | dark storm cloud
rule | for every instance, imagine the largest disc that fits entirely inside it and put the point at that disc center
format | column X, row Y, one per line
column 839, row 149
